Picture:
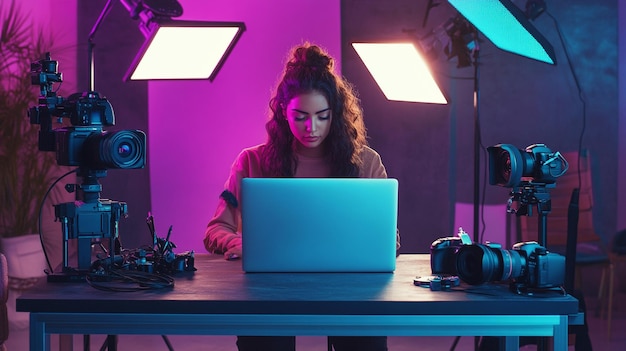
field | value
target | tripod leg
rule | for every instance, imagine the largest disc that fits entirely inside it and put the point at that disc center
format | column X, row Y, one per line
column 110, row 343
column 167, row 342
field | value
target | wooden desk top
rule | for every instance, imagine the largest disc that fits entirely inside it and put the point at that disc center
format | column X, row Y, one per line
column 221, row 287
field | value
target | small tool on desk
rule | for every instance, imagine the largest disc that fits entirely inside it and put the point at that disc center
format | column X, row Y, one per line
column 151, row 228
column 167, row 244
column 437, row 282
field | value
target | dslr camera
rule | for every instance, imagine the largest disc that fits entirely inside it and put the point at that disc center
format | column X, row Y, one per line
column 85, row 143
column 511, row 167
column 527, row 265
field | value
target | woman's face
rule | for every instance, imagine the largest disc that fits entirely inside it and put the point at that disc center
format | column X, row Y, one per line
column 309, row 117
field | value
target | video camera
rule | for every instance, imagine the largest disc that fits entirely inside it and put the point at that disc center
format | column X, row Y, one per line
column 87, row 145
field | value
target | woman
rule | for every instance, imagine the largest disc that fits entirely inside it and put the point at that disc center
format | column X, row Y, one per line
column 316, row 130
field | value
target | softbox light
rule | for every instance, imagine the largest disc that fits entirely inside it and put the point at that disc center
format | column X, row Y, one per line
column 184, row 49
column 507, row 27
column 400, row 71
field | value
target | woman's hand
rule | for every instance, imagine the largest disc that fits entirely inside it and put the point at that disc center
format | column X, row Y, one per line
column 233, row 253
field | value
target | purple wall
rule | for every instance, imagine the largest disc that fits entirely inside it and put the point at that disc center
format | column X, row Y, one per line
column 197, row 128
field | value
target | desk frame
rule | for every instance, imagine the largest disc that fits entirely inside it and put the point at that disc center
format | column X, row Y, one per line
column 511, row 327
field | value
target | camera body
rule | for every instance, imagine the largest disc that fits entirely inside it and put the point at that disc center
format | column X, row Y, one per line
column 528, row 264
column 442, row 255
column 544, row 269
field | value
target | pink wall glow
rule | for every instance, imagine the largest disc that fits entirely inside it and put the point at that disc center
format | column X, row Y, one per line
column 197, row 128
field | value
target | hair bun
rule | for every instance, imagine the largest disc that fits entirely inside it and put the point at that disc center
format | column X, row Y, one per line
column 311, row 56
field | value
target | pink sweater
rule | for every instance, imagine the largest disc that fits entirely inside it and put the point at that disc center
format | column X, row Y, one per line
column 224, row 229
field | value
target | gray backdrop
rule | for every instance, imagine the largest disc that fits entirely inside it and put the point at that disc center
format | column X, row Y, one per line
column 429, row 148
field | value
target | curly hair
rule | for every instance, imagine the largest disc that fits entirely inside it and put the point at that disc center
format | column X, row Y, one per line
column 311, row 69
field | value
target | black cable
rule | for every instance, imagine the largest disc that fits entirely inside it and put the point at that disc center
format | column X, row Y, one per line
column 122, row 280
column 578, row 87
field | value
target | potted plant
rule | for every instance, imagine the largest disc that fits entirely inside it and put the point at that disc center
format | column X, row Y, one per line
column 25, row 172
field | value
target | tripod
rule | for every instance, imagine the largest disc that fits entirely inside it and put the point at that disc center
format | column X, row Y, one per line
column 529, row 194
column 85, row 220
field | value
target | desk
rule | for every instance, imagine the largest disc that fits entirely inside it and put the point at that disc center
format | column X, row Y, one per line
column 219, row 299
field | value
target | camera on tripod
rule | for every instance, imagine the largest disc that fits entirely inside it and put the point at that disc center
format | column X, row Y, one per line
column 84, row 143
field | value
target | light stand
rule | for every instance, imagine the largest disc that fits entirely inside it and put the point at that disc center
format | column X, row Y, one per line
column 477, row 142
column 90, row 43
column 499, row 21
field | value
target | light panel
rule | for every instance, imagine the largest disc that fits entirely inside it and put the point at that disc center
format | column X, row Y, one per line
column 506, row 26
column 400, row 72
column 185, row 50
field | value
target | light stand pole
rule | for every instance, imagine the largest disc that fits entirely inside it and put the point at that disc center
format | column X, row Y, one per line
column 477, row 142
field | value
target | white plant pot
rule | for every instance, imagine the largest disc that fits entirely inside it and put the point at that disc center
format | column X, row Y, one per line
column 25, row 260
column 25, row 256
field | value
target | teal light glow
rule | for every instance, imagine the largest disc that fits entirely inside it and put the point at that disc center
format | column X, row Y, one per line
column 400, row 72
column 505, row 25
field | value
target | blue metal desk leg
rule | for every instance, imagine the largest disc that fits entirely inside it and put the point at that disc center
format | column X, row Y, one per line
column 509, row 343
column 39, row 339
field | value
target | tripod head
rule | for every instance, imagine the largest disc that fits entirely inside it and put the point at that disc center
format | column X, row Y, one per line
column 527, row 195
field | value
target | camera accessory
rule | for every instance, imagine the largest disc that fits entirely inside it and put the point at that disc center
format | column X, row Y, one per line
column 437, row 282
column 509, row 167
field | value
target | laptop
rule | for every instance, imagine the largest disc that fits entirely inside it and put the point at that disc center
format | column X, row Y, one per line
column 319, row 224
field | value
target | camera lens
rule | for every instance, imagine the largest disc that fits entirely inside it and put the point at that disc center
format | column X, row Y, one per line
column 503, row 165
column 506, row 165
column 122, row 149
column 478, row 264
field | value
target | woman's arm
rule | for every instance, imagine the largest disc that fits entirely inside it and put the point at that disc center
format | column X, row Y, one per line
column 223, row 232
